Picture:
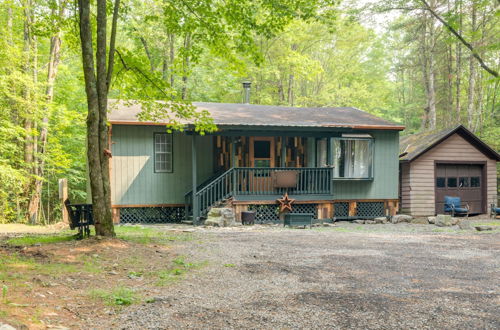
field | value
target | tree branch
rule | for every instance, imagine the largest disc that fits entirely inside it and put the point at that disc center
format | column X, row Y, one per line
column 112, row 42
column 127, row 67
column 462, row 40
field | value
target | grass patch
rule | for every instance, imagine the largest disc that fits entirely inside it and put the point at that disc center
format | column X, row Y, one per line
column 118, row 296
column 40, row 239
column 178, row 269
column 144, row 235
column 15, row 269
column 229, row 265
column 487, row 223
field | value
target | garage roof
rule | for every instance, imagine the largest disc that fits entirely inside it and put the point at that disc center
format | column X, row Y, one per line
column 236, row 114
column 414, row 145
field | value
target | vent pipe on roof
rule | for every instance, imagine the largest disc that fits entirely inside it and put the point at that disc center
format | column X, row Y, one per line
column 246, row 91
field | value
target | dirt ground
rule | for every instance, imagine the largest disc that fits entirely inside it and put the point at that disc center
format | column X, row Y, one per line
column 350, row 276
column 346, row 277
column 62, row 282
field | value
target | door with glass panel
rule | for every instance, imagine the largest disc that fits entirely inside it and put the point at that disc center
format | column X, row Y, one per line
column 262, row 157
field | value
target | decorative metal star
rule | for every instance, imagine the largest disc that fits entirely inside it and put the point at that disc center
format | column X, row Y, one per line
column 285, row 203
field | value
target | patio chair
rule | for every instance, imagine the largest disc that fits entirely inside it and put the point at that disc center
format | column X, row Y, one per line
column 454, row 206
column 494, row 211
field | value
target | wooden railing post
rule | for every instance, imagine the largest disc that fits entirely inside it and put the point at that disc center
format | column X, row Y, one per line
column 332, row 187
column 194, row 178
column 235, row 181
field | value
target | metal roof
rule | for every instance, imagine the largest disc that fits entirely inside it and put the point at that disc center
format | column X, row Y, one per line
column 414, row 145
column 236, row 114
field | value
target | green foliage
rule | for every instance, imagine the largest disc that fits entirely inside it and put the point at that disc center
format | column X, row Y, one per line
column 39, row 239
column 118, row 296
column 145, row 235
column 179, row 268
column 5, row 290
column 295, row 52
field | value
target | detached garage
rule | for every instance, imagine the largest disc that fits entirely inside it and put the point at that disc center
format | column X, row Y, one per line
column 451, row 162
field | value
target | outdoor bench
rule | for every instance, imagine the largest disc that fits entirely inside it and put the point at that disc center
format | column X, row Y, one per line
column 80, row 217
column 298, row 219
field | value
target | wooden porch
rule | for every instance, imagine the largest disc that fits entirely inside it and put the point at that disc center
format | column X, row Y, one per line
column 253, row 168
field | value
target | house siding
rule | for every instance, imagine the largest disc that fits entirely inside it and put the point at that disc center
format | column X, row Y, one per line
column 133, row 180
column 385, row 179
column 421, row 174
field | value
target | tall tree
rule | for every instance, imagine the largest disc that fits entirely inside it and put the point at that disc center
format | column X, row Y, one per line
column 57, row 15
column 97, row 75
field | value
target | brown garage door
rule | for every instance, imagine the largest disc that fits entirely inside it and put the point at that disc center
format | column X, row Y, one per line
column 464, row 181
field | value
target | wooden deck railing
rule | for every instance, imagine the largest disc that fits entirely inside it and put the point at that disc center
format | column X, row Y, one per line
column 261, row 182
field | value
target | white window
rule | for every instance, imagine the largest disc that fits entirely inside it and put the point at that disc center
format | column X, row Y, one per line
column 353, row 158
column 163, row 152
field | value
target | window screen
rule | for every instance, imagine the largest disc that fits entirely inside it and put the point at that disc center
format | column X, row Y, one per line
column 163, row 152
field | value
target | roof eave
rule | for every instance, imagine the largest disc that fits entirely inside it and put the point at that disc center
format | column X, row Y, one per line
column 239, row 126
column 460, row 129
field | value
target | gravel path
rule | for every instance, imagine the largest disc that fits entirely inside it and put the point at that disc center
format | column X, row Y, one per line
column 331, row 279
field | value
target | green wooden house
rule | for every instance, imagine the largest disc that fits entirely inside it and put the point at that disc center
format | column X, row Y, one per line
column 335, row 162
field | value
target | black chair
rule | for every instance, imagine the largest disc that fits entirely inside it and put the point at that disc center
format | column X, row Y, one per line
column 80, row 217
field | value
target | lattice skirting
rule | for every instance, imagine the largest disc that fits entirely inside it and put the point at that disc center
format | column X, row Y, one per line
column 173, row 214
column 269, row 213
column 370, row 209
column 341, row 209
column 363, row 210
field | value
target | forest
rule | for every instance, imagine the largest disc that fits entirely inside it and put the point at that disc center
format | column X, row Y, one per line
column 426, row 64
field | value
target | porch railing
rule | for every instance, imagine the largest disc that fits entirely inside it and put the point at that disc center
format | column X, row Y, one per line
column 260, row 182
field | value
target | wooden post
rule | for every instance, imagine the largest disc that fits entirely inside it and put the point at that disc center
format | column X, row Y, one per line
column 329, row 152
column 283, row 151
column 194, row 178
column 352, row 209
column 115, row 211
column 233, row 152
column 63, row 196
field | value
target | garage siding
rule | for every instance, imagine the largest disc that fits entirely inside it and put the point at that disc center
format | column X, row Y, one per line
column 421, row 173
column 405, row 188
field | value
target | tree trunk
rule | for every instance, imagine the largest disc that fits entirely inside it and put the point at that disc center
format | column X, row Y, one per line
column 281, row 93
column 97, row 79
column 171, row 39
column 9, row 24
column 428, row 74
column 148, row 53
column 472, row 77
column 54, row 57
column 458, row 67
column 290, row 89
column 28, row 66
column 185, row 65
column 432, row 74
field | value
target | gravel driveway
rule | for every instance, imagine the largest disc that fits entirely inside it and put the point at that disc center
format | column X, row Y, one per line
column 331, row 279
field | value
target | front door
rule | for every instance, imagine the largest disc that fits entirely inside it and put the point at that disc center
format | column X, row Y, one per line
column 461, row 180
column 262, row 152
column 262, row 157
